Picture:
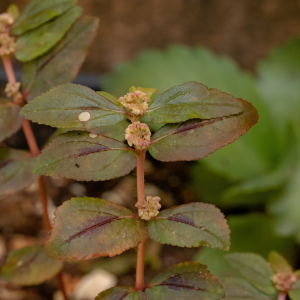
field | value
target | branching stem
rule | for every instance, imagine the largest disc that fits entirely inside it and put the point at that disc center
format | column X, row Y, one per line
column 139, row 284
column 34, row 150
column 281, row 296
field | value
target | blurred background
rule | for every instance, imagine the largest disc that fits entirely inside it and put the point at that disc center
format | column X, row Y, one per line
column 247, row 48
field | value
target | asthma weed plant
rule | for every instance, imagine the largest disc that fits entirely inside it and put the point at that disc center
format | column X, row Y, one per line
column 198, row 121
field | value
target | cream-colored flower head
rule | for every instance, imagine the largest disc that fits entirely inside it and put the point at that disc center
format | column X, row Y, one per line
column 136, row 102
column 6, row 20
column 284, row 281
column 150, row 209
column 7, row 44
column 138, row 135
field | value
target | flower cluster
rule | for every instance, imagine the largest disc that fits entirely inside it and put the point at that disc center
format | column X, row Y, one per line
column 150, row 209
column 284, row 281
column 12, row 89
column 7, row 44
column 6, row 20
column 138, row 134
column 136, row 102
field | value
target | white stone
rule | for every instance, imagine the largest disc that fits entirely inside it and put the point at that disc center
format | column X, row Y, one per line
column 92, row 284
column 84, row 116
column 92, row 135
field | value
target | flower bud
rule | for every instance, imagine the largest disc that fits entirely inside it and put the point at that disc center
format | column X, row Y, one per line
column 7, row 44
column 136, row 102
column 150, row 209
column 138, row 134
column 284, row 281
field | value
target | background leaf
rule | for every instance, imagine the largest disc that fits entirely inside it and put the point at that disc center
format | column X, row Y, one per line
column 197, row 138
column 89, row 227
column 188, row 280
column 29, row 266
column 37, row 13
column 279, row 263
column 79, row 156
column 62, row 105
column 254, row 268
column 240, row 289
column 37, row 42
column 121, row 293
column 294, row 294
column 15, row 170
column 10, row 119
column 62, row 63
column 191, row 225
column 189, row 101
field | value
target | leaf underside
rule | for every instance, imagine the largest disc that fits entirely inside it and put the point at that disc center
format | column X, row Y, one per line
column 62, row 63
column 189, row 280
column 29, row 266
column 37, row 13
column 37, row 42
column 107, row 229
column 79, row 156
column 61, row 107
column 15, row 170
column 192, row 100
column 253, row 268
column 191, row 225
column 10, row 119
column 196, row 138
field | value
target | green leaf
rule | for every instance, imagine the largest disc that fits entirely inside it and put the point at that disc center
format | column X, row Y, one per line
column 10, row 119
column 254, row 268
column 110, row 97
column 178, row 64
column 37, row 42
column 14, row 11
column 29, row 266
column 62, row 106
column 191, row 225
column 80, row 156
column 38, row 12
column 15, row 170
column 279, row 263
column 197, row 138
column 62, row 63
column 278, row 82
column 294, row 294
column 192, row 100
column 189, row 280
column 121, row 293
column 240, row 289
column 89, row 227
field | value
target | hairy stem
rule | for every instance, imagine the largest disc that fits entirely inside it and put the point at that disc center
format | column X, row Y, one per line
column 139, row 284
column 34, row 150
column 281, row 296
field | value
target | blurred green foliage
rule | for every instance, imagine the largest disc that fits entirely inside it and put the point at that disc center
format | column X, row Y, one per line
column 260, row 171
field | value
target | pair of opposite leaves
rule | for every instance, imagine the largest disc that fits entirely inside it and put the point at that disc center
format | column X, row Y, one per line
column 198, row 121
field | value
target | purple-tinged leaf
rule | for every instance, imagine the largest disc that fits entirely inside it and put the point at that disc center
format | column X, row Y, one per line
column 40, row 40
column 189, row 101
column 89, row 227
column 195, row 139
column 73, row 106
column 29, row 266
column 15, row 170
column 62, row 63
column 189, row 280
column 279, row 263
column 240, row 289
column 38, row 12
column 84, row 156
column 10, row 119
column 191, row 225
column 255, row 269
column 121, row 293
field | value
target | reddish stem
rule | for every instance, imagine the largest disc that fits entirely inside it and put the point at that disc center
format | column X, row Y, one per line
column 281, row 296
column 139, row 284
column 34, row 150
